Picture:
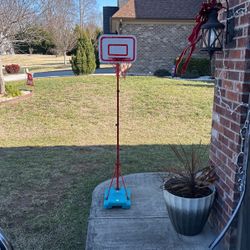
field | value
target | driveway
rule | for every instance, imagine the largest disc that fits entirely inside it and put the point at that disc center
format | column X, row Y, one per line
column 58, row 73
column 63, row 73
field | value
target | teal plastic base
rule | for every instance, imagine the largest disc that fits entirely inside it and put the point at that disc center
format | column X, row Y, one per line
column 117, row 198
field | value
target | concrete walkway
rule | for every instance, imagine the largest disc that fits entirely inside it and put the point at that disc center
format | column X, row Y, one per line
column 15, row 77
column 145, row 226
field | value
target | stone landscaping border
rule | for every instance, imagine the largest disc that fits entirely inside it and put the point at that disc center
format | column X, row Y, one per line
column 18, row 98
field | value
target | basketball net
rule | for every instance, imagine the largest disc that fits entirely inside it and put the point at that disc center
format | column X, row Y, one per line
column 124, row 67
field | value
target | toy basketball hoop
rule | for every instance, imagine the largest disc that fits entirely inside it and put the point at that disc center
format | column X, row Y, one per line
column 121, row 51
column 117, row 49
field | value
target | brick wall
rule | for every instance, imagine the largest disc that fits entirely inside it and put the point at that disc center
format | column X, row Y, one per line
column 232, row 88
column 158, row 44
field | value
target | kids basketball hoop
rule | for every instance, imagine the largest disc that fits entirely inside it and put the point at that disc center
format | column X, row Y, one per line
column 117, row 49
column 121, row 51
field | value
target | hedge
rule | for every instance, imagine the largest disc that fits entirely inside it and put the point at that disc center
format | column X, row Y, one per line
column 196, row 67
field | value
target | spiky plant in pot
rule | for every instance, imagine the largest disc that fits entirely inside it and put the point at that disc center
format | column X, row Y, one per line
column 189, row 193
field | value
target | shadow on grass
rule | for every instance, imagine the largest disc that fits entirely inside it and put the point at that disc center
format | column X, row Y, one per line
column 206, row 85
column 46, row 192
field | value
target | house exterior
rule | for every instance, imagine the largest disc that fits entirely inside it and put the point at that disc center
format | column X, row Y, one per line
column 160, row 26
column 230, row 151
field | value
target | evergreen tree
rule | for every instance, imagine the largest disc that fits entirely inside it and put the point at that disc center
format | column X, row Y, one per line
column 95, row 42
column 83, row 61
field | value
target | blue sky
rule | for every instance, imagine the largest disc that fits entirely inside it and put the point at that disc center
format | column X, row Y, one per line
column 102, row 3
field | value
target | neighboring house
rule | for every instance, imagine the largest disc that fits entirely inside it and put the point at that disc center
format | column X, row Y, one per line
column 160, row 26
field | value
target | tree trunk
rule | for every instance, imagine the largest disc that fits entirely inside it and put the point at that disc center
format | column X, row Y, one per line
column 81, row 17
column 2, row 83
column 31, row 51
column 64, row 58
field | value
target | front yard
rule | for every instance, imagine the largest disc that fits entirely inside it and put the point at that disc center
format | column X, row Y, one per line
column 59, row 144
column 36, row 63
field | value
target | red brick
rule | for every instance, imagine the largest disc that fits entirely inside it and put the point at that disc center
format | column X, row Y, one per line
column 223, row 139
column 219, row 56
column 227, row 151
column 218, row 127
column 235, row 127
column 227, row 171
column 233, row 75
column 231, row 116
column 218, row 161
column 225, row 122
column 240, row 65
column 242, row 87
column 233, row 167
column 237, row 138
column 244, row 19
column 224, row 186
column 219, row 190
column 235, row 88
column 230, row 183
column 229, row 64
column 212, row 149
column 225, row 215
column 221, row 174
column 242, row 76
column 234, row 54
column 231, row 203
column 229, row 134
column 219, row 109
column 242, row 42
column 219, row 64
column 233, row 146
column 228, row 84
column 222, row 156
column 232, row 96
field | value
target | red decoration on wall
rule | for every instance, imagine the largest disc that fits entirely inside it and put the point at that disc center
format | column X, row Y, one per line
column 194, row 38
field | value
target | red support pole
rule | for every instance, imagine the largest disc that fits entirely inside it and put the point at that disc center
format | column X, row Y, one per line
column 118, row 127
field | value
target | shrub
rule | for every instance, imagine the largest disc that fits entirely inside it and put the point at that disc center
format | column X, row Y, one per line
column 162, row 73
column 194, row 175
column 95, row 40
column 191, row 74
column 83, row 61
column 196, row 67
column 12, row 90
column 97, row 61
column 12, row 68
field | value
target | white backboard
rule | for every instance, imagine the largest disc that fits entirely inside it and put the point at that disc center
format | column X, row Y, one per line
column 117, row 48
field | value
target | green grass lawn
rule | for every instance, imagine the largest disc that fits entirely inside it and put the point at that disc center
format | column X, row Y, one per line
column 59, row 144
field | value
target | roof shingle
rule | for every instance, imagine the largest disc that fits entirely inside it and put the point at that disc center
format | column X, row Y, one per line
column 160, row 9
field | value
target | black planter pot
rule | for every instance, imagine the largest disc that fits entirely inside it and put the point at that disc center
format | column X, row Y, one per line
column 188, row 215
